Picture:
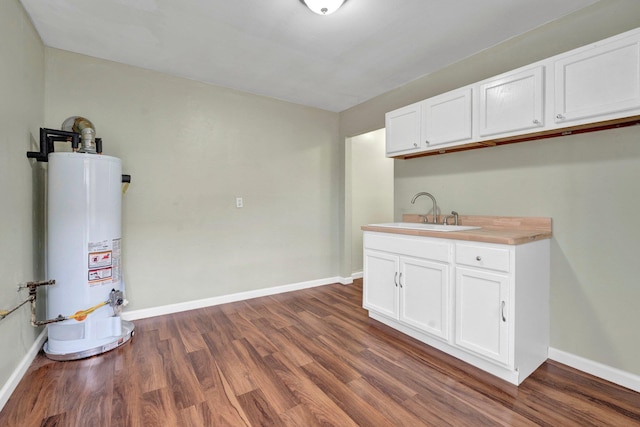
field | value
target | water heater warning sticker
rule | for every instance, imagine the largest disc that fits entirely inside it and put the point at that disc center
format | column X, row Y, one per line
column 100, row 259
column 104, row 262
column 100, row 275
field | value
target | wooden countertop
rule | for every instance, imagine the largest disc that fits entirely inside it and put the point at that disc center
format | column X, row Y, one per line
column 494, row 229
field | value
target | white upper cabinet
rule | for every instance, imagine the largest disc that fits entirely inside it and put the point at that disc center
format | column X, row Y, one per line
column 586, row 88
column 513, row 102
column 403, row 130
column 446, row 118
column 597, row 81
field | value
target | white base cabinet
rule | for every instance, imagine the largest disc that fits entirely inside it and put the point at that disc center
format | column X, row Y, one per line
column 408, row 280
column 486, row 304
column 482, row 318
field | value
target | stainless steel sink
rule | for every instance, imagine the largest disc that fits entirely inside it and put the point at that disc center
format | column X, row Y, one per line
column 425, row 227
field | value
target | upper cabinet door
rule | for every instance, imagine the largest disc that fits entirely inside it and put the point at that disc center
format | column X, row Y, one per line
column 512, row 103
column 403, row 130
column 598, row 81
column 446, row 118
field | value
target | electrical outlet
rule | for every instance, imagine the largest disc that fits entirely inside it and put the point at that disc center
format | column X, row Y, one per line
column 239, row 202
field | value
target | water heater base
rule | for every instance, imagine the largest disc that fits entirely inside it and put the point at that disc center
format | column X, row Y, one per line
column 127, row 333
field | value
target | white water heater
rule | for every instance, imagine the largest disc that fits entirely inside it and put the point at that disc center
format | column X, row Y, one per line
column 84, row 249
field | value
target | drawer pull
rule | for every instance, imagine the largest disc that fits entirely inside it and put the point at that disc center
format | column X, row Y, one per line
column 395, row 279
column 478, row 258
column 400, row 280
column 504, row 319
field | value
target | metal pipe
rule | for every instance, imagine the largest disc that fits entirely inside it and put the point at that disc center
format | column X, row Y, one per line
column 5, row 313
column 86, row 130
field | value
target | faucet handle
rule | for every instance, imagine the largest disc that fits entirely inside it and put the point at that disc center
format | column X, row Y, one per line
column 455, row 216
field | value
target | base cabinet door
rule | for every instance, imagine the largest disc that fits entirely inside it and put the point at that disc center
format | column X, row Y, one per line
column 381, row 283
column 482, row 313
column 424, row 301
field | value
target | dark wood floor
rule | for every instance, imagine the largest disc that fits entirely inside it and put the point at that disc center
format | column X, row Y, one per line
column 304, row 358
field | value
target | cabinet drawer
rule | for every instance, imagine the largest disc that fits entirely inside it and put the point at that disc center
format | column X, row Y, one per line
column 493, row 258
column 419, row 247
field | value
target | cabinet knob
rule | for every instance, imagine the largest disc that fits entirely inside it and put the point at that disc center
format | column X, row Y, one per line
column 478, row 258
column 426, row 141
column 536, row 121
column 415, row 144
column 559, row 116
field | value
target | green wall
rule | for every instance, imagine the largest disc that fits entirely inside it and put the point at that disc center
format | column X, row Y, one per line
column 191, row 149
column 21, row 209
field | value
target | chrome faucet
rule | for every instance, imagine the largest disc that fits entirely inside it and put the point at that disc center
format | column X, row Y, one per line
column 435, row 206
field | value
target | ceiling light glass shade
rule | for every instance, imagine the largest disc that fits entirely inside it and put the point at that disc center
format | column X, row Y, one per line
column 323, row 7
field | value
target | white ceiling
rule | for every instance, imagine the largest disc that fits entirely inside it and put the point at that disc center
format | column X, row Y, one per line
column 280, row 49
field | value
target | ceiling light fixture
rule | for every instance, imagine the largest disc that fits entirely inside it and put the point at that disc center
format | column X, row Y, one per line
column 323, row 7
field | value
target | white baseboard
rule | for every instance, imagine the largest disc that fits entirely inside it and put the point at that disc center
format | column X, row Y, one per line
column 357, row 275
column 223, row 299
column 345, row 280
column 9, row 387
column 614, row 375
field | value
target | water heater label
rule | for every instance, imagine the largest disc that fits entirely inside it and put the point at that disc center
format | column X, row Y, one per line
column 100, row 275
column 104, row 262
column 100, row 259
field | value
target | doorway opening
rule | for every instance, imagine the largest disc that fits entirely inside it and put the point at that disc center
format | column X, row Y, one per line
column 369, row 182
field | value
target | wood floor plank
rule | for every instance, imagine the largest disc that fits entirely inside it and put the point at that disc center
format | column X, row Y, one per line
column 305, row 358
column 393, row 410
column 221, row 404
column 259, row 410
column 157, row 409
column 325, row 410
column 234, row 370
column 189, row 333
column 465, row 402
column 326, row 357
column 607, row 397
column 358, row 409
column 299, row 416
column 126, row 392
column 285, row 346
column 281, row 398
column 384, row 381
column 59, row 420
column 184, row 387
column 248, row 331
